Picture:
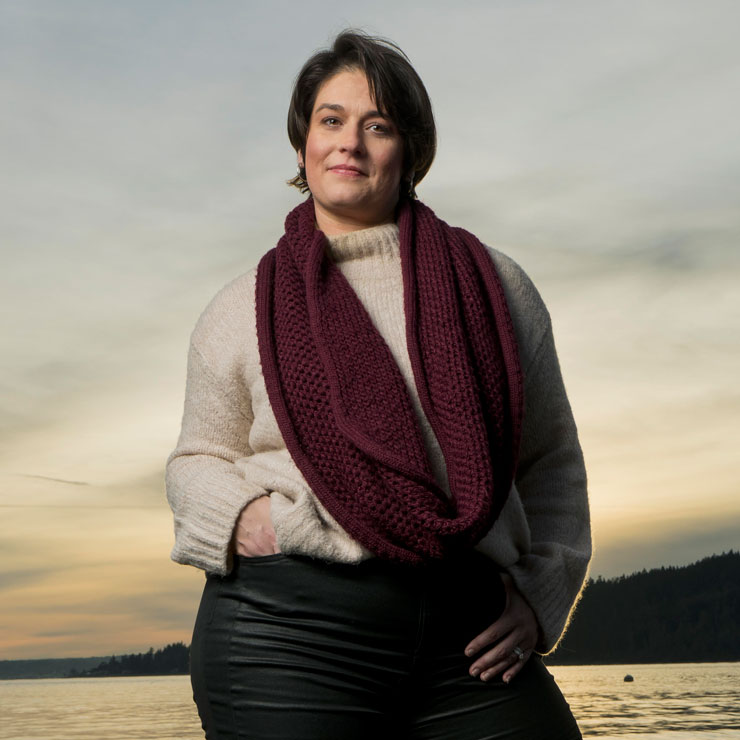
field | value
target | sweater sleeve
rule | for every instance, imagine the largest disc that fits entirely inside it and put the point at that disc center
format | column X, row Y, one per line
column 551, row 480
column 205, row 488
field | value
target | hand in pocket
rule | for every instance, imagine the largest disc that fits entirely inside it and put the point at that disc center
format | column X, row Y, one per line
column 254, row 534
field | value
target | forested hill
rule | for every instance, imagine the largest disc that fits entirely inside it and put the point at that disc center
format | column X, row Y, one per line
column 666, row 615
column 170, row 660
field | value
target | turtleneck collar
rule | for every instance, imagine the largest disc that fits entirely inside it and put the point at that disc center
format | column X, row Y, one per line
column 377, row 241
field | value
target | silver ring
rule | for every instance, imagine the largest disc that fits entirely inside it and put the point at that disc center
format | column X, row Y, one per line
column 518, row 652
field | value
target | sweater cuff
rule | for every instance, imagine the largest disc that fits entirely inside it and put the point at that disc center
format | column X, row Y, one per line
column 205, row 526
column 552, row 589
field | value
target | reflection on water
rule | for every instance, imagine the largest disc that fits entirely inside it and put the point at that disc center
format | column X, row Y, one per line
column 669, row 701
column 146, row 708
column 665, row 702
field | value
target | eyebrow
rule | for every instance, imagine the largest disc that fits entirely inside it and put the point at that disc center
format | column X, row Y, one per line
column 339, row 108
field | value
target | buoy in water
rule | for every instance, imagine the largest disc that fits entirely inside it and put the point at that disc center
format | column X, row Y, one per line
column 629, row 678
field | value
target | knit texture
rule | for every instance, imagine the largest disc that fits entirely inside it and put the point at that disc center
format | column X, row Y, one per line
column 342, row 404
column 231, row 451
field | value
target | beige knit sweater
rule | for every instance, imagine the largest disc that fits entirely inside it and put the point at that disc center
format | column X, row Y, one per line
column 230, row 449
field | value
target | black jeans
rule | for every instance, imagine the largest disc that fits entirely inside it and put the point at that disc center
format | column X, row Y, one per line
column 297, row 649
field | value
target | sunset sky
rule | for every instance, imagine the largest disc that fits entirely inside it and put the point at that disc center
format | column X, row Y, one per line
column 143, row 159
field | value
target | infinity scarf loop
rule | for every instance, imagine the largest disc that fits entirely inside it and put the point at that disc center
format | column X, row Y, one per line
column 341, row 402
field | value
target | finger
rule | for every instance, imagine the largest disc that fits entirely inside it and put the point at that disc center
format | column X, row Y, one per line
column 502, row 653
column 489, row 670
column 498, row 655
column 249, row 548
column 497, row 631
column 502, row 627
column 516, row 667
column 508, row 664
column 253, row 550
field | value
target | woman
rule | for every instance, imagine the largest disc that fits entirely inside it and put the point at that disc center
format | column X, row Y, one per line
column 378, row 467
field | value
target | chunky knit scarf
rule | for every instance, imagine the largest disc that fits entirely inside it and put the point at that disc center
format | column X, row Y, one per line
column 343, row 408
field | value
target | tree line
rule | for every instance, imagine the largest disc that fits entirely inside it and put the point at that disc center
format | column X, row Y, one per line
column 666, row 615
column 170, row 660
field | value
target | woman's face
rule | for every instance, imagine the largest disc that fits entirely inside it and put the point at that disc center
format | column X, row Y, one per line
column 354, row 156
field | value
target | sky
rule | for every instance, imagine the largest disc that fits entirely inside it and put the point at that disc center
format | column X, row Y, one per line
column 144, row 159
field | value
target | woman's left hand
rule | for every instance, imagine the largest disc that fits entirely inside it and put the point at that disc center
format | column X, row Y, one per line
column 513, row 637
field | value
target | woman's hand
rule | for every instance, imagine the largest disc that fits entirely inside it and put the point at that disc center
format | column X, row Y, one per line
column 253, row 533
column 515, row 630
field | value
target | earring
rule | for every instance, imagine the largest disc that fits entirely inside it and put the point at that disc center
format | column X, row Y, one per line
column 411, row 192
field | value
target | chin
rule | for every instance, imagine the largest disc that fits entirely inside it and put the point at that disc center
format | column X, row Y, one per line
column 347, row 202
column 346, row 196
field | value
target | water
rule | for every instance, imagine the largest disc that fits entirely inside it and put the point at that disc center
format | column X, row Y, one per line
column 679, row 701
column 665, row 702
column 150, row 708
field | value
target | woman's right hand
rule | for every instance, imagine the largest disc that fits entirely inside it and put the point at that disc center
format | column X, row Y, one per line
column 254, row 534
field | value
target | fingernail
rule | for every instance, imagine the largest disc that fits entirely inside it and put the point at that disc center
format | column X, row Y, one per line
column 507, row 679
column 469, row 652
column 474, row 673
column 484, row 677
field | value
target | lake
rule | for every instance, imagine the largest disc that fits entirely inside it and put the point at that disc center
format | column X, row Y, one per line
column 693, row 701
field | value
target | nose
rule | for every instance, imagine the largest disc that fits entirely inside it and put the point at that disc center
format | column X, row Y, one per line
column 351, row 141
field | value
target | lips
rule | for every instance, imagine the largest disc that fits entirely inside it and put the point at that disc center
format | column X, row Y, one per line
column 346, row 169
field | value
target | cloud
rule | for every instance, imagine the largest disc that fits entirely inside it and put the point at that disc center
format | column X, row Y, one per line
column 60, row 633
column 116, row 607
column 22, row 577
column 659, row 546
column 55, row 480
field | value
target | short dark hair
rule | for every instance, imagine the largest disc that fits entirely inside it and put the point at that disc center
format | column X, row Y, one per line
column 395, row 86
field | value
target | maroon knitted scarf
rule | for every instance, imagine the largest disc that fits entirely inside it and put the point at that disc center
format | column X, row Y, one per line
column 341, row 402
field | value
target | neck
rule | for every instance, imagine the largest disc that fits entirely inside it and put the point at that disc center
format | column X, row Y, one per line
column 334, row 224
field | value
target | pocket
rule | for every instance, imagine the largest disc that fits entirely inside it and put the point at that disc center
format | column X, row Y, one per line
column 247, row 560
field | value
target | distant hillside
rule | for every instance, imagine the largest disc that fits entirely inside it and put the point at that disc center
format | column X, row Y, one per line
column 171, row 660
column 45, row 667
column 666, row 615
